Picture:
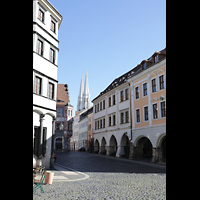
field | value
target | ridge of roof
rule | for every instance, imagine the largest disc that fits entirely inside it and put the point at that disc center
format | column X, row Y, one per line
column 134, row 71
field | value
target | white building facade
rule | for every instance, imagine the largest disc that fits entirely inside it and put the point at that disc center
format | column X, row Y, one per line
column 112, row 124
column 46, row 22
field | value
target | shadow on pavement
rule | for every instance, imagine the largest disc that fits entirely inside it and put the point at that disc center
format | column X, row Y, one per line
column 87, row 162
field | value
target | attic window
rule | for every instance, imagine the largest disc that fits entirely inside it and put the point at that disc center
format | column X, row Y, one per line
column 144, row 66
column 156, row 58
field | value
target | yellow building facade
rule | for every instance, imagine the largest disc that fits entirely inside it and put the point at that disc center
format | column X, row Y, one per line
column 148, row 106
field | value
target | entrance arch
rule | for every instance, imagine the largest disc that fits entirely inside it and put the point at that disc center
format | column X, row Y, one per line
column 112, row 146
column 58, row 143
column 162, row 148
column 125, row 146
column 143, row 148
column 96, row 146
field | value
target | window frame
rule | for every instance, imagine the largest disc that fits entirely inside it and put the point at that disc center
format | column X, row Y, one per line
column 40, row 85
column 163, row 82
column 153, row 105
column 145, row 89
column 137, row 93
column 153, row 86
column 40, row 47
column 41, row 18
column 52, row 57
column 137, row 113
column 51, row 92
column 146, row 114
column 161, row 109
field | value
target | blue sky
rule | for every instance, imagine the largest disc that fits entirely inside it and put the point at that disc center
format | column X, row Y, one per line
column 107, row 38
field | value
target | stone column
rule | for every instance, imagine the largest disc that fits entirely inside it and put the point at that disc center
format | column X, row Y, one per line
column 118, row 153
column 154, row 155
column 52, row 142
column 41, row 135
column 131, row 150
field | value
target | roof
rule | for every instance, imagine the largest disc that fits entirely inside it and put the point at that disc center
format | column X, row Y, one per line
column 86, row 113
column 136, row 70
column 62, row 95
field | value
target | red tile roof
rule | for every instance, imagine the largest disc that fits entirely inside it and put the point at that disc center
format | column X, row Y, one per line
column 62, row 95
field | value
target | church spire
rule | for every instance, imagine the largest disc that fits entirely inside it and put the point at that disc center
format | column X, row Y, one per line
column 80, row 97
column 86, row 94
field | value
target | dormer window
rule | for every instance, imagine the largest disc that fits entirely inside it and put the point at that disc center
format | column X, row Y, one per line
column 156, row 58
column 144, row 65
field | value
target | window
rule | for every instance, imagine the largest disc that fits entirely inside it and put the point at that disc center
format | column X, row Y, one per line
column 40, row 47
column 98, row 124
column 113, row 99
column 161, row 80
column 145, row 89
column 127, row 94
column 41, row 15
column 95, row 125
column 144, row 66
column 122, row 96
column 163, row 109
column 156, row 58
column 52, row 56
column 100, row 105
column 113, row 120
column 110, row 121
column 53, row 26
column 104, row 104
column 109, row 101
column 38, row 82
column 137, row 93
column 95, row 108
column 153, row 85
column 122, row 118
column 101, row 123
column 51, row 90
column 104, row 123
column 127, row 117
column 138, row 115
column 146, row 118
column 155, row 111
column 59, row 112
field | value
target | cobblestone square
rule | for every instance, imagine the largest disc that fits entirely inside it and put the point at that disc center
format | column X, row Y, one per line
column 107, row 178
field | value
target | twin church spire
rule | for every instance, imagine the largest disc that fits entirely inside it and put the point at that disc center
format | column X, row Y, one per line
column 84, row 95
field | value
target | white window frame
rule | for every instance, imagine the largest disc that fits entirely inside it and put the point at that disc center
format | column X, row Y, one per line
column 143, row 89
column 135, row 92
column 161, row 109
column 136, row 116
column 157, row 111
column 144, row 113
column 159, row 81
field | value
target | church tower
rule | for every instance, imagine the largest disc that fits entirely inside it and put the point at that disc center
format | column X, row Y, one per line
column 84, row 95
column 80, row 96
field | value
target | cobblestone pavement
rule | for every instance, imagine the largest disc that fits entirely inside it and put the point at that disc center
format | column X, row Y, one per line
column 109, row 178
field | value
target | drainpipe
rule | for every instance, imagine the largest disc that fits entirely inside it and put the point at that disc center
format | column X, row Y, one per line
column 130, row 113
